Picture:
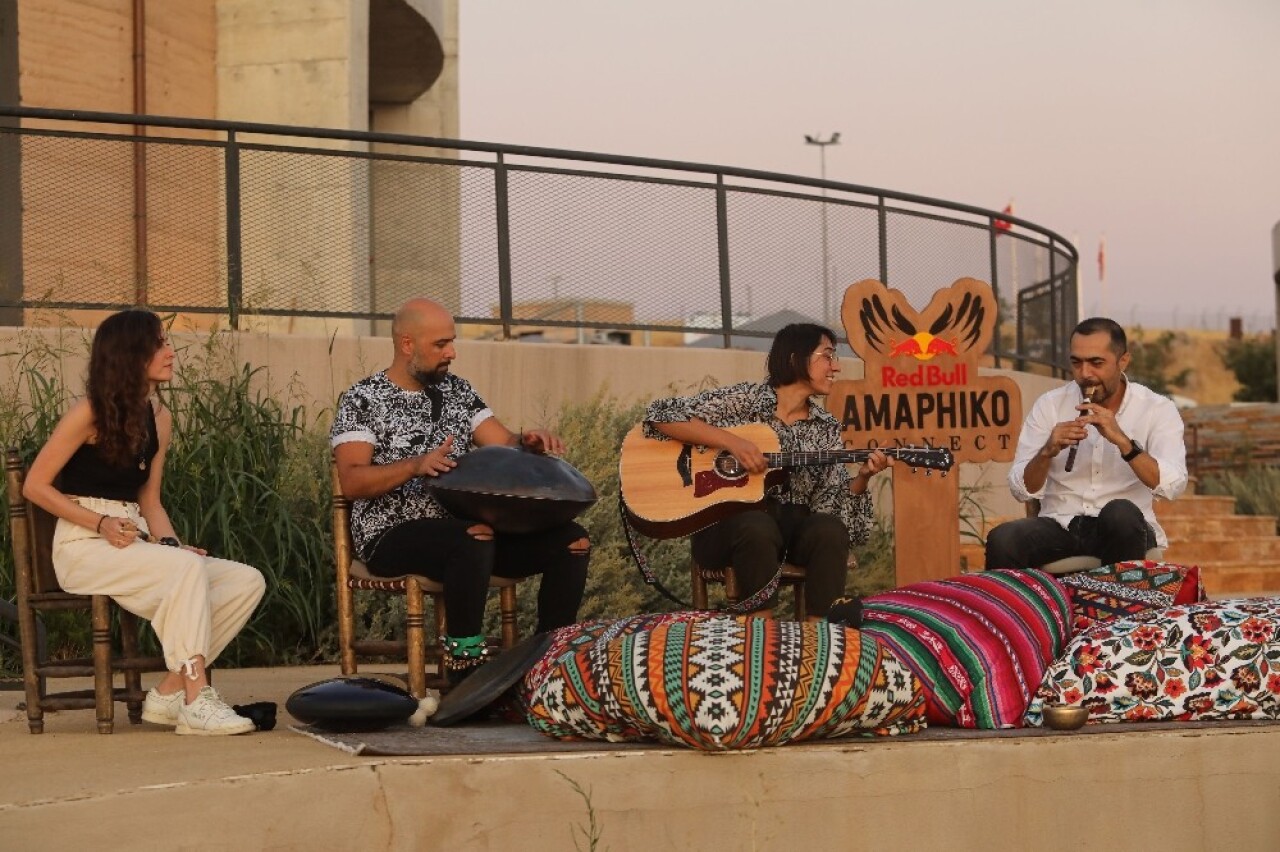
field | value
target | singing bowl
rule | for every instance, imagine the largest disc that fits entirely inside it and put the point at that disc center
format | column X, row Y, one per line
column 1065, row 718
column 351, row 704
column 513, row 490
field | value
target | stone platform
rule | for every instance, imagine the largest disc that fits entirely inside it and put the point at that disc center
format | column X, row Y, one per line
column 1166, row 787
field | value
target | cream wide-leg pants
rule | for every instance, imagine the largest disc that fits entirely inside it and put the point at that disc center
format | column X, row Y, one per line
column 196, row 604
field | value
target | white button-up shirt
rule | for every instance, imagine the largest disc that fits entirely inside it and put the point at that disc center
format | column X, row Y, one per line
column 1100, row 475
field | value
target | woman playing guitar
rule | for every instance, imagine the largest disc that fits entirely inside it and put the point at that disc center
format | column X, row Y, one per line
column 810, row 517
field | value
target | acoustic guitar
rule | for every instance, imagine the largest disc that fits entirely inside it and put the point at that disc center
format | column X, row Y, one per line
column 672, row 489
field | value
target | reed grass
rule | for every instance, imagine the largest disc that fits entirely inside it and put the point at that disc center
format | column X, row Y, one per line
column 247, row 477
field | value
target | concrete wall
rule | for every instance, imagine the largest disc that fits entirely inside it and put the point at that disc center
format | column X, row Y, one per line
column 1175, row 791
column 525, row 383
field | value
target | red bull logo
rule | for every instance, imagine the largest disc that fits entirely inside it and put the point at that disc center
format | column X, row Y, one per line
column 923, row 346
column 922, row 376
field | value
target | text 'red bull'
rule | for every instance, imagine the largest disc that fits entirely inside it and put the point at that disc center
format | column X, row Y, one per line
column 925, row 376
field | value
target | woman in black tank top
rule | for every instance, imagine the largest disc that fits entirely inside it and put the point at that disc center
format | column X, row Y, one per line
column 114, row 536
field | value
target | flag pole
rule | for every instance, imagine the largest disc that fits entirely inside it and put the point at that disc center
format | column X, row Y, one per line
column 1080, row 314
column 1102, row 273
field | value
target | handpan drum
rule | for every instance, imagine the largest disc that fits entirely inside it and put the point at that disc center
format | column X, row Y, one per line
column 514, row 490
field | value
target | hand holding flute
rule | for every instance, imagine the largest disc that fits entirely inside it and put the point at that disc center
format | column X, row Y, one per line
column 1088, row 391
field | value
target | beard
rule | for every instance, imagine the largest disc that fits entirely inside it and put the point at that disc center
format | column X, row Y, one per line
column 427, row 378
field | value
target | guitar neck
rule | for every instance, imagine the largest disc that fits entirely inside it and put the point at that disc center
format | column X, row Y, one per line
column 813, row 457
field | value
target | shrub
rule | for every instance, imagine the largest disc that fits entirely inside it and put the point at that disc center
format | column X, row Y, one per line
column 1253, row 360
column 1256, row 489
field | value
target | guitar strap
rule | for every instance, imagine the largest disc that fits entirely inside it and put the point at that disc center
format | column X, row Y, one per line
column 749, row 604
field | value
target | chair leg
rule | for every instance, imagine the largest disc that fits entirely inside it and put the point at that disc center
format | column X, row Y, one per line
column 346, row 628
column 801, row 611
column 697, row 585
column 132, row 677
column 437, row 648
column 416, row 638
column 730, row 585
column 32, row 683
column 103, row 688
column 507, row 606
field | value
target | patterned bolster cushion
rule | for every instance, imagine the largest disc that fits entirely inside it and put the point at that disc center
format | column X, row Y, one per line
column 717, row 682
column 1209, row 660
column 1129, row 588
column 979, row 643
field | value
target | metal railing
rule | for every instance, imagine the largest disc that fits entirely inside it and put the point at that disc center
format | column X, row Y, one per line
column 257, row 223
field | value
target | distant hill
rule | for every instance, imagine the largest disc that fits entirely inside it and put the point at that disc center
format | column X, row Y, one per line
column 1210, row 382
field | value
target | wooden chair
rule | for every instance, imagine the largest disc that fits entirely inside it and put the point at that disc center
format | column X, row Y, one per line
column 417, row 647
column 31, row 530
column 792, row 575
column 1072, row 564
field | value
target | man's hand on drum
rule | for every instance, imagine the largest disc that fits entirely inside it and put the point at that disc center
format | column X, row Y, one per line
column 437, row 461
column 542, row 441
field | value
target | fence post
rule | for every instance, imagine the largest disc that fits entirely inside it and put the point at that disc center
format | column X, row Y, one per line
column 882, row 226
column 235, row 262
column 994, row 260
column 722, row 247
column 505, row 307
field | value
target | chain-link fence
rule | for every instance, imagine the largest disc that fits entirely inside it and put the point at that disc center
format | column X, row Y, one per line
column 253, row 225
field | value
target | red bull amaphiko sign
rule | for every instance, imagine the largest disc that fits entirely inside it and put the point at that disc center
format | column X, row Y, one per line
column 921, row 384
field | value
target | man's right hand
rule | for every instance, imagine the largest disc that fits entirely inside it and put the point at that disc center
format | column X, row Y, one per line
column 1064, row 435
column 437, row 461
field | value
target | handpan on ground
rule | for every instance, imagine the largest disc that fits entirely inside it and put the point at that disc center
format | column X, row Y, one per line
column 351, row 704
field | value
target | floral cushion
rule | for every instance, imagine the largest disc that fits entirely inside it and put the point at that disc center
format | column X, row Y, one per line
column 979, row 643
column 1209, row 660
column 717, row 682
column 1128, row 588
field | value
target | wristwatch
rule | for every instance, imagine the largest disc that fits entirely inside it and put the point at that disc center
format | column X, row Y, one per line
column 169, row 541
column 1135, row 451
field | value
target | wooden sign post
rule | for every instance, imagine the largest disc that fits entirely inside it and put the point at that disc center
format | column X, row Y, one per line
column 921, row 387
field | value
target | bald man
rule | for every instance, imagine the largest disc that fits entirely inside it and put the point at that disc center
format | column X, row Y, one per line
column 397, row 429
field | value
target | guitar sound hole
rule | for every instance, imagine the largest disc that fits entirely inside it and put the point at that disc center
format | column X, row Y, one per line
column 727, row 466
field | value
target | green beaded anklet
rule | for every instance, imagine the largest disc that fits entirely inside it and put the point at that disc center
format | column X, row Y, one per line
column 464, row 651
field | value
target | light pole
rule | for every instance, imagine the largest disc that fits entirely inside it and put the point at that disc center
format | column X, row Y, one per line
column 822, row 144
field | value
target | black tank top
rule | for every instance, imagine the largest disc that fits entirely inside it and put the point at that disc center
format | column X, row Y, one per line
column 87, row 474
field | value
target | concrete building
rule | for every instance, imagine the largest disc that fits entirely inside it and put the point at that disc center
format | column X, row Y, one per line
column 379, row 65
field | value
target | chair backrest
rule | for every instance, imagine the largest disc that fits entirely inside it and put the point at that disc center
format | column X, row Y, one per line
column 31, row 531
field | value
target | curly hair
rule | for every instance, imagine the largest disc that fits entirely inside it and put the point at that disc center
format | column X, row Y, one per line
column 788, row 360
column 117, row 386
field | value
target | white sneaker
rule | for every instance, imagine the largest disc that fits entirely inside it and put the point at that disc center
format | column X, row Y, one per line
column 162, row 709
column 209, row 716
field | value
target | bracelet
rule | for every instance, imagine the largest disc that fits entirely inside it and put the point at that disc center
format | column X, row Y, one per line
column 98, row 528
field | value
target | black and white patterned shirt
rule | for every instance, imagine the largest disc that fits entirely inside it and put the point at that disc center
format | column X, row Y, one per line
column 823, row 488
column 400, row 424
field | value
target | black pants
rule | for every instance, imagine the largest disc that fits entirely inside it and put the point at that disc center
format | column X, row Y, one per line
column 757, row 541
column 443, row 550
column 1118, row 534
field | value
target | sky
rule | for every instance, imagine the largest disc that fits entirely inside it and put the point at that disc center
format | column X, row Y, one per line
column 1152, row 124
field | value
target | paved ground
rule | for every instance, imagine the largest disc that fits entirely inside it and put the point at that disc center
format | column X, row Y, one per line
column 71, row 759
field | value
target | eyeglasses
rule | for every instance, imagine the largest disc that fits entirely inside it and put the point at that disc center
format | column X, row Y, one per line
column 829, row 354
